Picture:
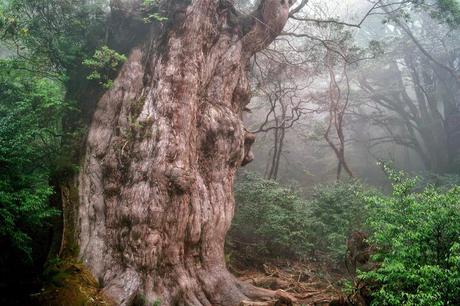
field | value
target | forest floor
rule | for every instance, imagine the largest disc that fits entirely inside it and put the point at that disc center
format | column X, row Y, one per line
column 310, row 283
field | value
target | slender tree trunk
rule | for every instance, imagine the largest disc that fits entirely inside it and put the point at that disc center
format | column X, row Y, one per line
column 280, row 152
column 165, row 142
column 282, row 129
column 275, row 151
column 339, row 170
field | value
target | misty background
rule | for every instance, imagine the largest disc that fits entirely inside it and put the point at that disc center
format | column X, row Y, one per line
column 388, row 80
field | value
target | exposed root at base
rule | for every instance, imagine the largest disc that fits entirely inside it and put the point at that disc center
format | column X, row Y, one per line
column 295, row 285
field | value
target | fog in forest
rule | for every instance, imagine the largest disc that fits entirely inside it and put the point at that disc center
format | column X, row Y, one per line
column 395, row 103
column 229, row 152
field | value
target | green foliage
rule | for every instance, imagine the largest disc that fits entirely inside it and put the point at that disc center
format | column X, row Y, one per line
column 151, row 11
column 157, row 303
column 417, row 239
column 415, row 235
column 142, row 300
column 271, row 220
column 156, row 17
column 30, row 112
column 447, row 11
column 337, row 210
column 150, row 3
column 53, row 272
column 43, row 44
column 103, row 65
column 53, row 35
column 442, row 181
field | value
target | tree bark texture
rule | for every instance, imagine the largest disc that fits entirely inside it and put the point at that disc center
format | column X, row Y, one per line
column 163, row 147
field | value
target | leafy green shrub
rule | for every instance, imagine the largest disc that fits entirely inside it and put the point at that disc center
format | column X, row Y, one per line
column 151, row 11
column 417, row 241
column 337, row 210
column 441, row 181
column 54, row 36
column 270, row 220
column 103, row 65
column 276, row 221
column 30, row 112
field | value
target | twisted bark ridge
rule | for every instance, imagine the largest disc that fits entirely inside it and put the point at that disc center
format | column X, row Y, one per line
column 165, row 142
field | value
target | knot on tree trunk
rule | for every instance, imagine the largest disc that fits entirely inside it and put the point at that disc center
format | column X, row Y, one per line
column 249, row 139
column 180, row 179
column 267, row 23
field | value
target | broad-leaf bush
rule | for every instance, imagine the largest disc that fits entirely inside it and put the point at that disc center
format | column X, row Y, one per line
column 270, row 220
column 417, row 237
column 277, row 221
column 53, row 35
column 30, row 111
column 337, row 210
column 103, row 65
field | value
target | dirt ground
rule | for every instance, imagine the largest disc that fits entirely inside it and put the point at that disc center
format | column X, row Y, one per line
column 308, row 284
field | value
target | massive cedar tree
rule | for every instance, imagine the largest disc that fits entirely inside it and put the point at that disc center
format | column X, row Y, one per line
column 155, row 185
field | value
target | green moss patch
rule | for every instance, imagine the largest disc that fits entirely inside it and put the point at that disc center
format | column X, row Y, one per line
column 70, row 283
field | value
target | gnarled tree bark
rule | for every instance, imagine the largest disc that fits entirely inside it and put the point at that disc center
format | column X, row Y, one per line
column 163, row 147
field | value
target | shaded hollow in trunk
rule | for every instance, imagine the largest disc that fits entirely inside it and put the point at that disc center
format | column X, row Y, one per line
column 163, row 147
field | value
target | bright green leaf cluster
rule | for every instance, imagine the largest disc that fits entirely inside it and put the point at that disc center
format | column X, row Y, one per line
column 151, row 11
column 417, row 237
column 103, row 65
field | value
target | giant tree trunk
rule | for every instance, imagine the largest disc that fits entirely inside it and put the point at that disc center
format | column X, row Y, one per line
column 165, row 142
